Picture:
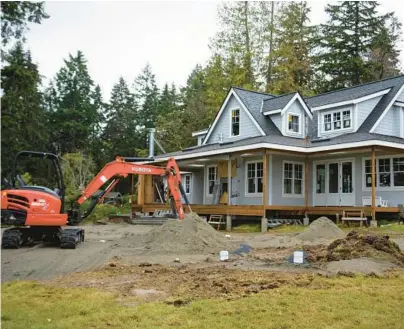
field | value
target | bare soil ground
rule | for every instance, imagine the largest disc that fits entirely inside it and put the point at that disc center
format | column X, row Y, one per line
column 126, row 244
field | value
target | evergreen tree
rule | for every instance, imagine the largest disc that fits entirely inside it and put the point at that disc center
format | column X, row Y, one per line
column 168, row 99
column 16, row 14
column 120, row 134
column 74, row 113
column 291, row 69
column 346, row 42
column 23, row 117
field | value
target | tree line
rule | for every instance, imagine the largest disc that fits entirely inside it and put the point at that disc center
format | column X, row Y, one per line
column 267, row 46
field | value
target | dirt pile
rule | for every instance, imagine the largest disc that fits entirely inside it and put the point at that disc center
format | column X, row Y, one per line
column 356, row 245
column 189, row 236
column 321, row 228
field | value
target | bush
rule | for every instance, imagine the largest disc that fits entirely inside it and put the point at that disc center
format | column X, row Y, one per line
column 102, row 211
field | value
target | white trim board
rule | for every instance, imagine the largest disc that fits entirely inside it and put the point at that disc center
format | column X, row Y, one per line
column 200, row 132
column 386, row 109
column 351, row 101
column 302, row 103
column 232, row 93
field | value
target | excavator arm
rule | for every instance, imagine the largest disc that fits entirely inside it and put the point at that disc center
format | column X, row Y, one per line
column 120, row 169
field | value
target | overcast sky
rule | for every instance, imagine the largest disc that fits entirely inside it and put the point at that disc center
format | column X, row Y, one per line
column 119, row 38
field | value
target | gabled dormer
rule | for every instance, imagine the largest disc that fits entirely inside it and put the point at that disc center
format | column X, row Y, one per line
column 289, row 113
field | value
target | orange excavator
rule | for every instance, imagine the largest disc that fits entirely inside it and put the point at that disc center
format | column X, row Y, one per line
column 37, row 213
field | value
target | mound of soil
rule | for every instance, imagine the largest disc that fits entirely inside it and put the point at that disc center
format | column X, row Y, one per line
column 357, row 244
column 189, row 236
column 321, row 228
column 360, row 265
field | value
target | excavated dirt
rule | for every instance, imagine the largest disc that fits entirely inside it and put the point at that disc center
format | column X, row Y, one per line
column 364, row 265
column 357, row 245
column 321, row 229
column 189, row 236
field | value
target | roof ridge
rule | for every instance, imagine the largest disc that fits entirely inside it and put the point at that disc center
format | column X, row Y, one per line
column 356, row 86
column 253, row 91
column 278, row 96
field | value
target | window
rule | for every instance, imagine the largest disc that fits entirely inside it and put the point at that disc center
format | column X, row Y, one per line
column 187, row 184
column 255, row 172
column 293, row 178
column 293, row 123
column 212, row 177
column 337, row 120
column 320, row 173
column 389, row 172
column 235, row 122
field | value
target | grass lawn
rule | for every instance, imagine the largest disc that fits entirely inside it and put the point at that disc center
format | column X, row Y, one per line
column 339, row 302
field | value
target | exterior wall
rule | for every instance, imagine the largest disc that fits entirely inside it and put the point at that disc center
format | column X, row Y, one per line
column 295, row 108
column 393, row 197
column 247, row 126
column 276, row 182
column 400, row 97
column 363, row 110
column 391, row 123
column 334, row 133
column 197, row 187
column 277, row 120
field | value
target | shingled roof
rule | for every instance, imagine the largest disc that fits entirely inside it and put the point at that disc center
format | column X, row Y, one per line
column 276, row 103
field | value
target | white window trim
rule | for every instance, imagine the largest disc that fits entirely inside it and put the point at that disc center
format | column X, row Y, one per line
column 190, row 184
column 291, row 132
column 402, row 122
column 378, row 188
column 231, row 122
column 334, row 131
column 293, row 195
column 207, row 179
column 255, row 194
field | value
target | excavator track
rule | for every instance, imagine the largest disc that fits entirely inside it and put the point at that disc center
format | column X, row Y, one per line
column 12, row 239
column 71, row 237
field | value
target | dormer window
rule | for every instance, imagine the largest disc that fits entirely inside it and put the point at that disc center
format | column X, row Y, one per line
column 337, row 120
column 294, row 123
column 235, row 122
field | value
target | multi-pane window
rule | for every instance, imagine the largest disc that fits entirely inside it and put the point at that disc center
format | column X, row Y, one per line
column 235, row 122
column 389, row 172
column 212, row 177
column 255, row 172
column 293, row 178
column 293, row 124
column 320, row 187
column 187, row 184
column 337, row 120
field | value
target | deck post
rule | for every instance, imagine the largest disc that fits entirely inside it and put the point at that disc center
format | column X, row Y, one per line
column 373, row 222
column 264, row 224
column 228, row 217
column 140, row 191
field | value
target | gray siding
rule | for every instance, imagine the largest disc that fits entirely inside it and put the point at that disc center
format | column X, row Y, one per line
column 277, row 120
column 364, row 109
column 390, row 125
column 400, row 97
column 197, row 187
column 247, row 126
column 296, row 108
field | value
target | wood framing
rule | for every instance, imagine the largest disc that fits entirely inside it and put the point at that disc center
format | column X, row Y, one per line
column 373, row 183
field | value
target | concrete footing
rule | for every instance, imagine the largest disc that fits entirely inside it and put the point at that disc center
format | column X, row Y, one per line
column 373, row 223
column 264, row 225
column 228, row 223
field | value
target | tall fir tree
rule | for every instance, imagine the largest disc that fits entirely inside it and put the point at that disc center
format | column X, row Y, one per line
column 74, row 114
column 23, row 117
column 346, row 42
column 291, row 63
column 120, row 134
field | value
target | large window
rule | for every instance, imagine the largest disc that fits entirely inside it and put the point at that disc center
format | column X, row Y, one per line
column 255, row 172
column 235, row 122
column 212, row 177
column 337, row 120
column 294, row 123
column 187, row 184
column 389, row 172
column 293, row 175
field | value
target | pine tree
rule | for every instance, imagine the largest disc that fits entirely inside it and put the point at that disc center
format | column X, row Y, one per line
column 291, row 66
column 346, row 43
column 16, row 14
column 23, row 117
column 120, row 134
column 74, row 114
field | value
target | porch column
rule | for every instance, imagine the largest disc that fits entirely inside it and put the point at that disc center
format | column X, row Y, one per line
column 140, row 191
column 373, row 223
column 264, row 222
column 228, row 217
column 306, row 183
